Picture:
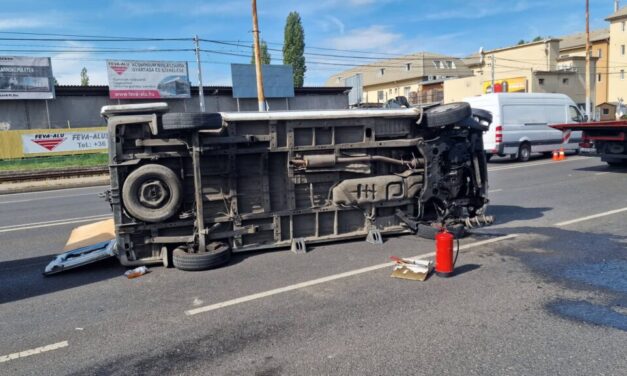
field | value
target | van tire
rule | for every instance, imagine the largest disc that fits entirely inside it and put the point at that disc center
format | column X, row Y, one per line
column 157, row 211
column 524, row 152
column 215, row 255
column 191, row 120
column 447, row 114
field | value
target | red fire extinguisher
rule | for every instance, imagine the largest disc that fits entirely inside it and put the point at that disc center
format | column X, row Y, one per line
column 444, row 261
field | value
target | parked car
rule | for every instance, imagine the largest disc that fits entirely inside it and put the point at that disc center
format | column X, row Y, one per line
column 520, row 123
column 188, row 189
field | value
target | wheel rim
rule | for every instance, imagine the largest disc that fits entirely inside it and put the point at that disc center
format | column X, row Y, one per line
column 153, row 194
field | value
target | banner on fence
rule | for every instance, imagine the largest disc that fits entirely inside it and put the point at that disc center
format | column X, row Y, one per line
column 24, row 77
column 134, row 79
column 38, row 143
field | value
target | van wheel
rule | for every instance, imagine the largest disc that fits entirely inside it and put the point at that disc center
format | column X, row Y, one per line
column 216, row 254
column 152, row 193
column 488, row 157
column 447, row 114
column 524, row 152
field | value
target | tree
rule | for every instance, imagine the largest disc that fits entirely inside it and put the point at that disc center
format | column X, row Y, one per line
column 537, row 39
column 265, row 55
column 522, row 41
column 54, row 81
column 294, row 47
column 84, row 77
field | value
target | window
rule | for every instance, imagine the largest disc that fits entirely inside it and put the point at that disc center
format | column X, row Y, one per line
column 380, row 96
column 541, row 81
column 381, row 72
column 622, row 74
column 408, row 67
column 622, row 26
column 574, row 114
column 600, row 53
column 564, row 81
column 437, row 63
column 448, row 64
column 406, row 91
column 606, row 111
column 622, row 49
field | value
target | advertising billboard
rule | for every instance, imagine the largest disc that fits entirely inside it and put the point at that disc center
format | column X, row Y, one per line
column 508, row 85
column 25, row 77
column 278, row 81
column 62, row 142
column 135, row 79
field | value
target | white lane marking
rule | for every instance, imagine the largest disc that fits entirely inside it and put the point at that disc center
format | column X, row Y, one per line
column 495, row 190
column 57, row 222
column 330, row 278
column 602, row 173
column 95, row 194
column 587, row 218
column 37, row 350
column 54, row 190
column 522, row 165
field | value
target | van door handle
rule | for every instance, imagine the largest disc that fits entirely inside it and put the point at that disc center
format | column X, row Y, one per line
column 536, row 123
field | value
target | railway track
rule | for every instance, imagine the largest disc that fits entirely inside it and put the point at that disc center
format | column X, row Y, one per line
column 6, row 177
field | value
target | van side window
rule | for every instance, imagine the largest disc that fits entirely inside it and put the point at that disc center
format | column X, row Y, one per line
column 574, row 114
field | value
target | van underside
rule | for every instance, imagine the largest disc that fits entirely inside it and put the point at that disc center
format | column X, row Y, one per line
column 185, row 184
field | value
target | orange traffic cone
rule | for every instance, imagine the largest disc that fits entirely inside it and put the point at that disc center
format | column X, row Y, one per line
column 556, row 155
column 562, row 155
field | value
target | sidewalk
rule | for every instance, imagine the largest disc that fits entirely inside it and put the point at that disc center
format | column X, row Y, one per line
column 49, row 184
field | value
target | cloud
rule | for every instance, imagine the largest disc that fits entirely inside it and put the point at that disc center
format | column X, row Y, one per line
column 481, row 10
column 375, row 37
column 331, row 24
column 66, row 66
column 22, row 23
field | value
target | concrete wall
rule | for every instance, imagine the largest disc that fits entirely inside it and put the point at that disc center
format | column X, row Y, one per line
column 600, row 50
column 458, row 89
column 84, row 111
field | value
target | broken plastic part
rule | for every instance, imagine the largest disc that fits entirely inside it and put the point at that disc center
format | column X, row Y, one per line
column 81, row 256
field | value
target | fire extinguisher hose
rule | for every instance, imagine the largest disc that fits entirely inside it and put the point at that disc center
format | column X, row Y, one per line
column 456, row 253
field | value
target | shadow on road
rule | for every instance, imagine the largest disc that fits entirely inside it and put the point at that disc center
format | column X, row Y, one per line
column 507, row 213
column 465, row 269
column 582, row 262
column 23, row 279
column 604, row 168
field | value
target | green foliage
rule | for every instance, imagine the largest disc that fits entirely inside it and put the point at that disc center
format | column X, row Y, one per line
column 266, row 58
column 66, row 161
column 537, row 39
column 522, row 41
column 294, row 47
column 84, row 77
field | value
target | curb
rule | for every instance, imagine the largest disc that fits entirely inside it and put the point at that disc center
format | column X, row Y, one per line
column 51, row 184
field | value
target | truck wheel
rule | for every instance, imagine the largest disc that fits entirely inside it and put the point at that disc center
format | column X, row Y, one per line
column 524, row 152
column 216, row 254
column 152, row 193
column 191, row 120
column 446, row 114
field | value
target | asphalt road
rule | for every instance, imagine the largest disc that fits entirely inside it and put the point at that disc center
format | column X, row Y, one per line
column 549, row 299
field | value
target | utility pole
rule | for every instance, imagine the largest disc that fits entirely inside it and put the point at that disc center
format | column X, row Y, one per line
column 261, row 98
column 201, row 93
column 588, row 59
column 492, row 59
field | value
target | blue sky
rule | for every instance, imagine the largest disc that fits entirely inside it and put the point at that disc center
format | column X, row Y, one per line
column 373, row 27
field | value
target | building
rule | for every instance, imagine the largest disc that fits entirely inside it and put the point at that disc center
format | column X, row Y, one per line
column 536, row 67
column 419, row 77
column 79, row 106
column 617, row 55
column 575, row 45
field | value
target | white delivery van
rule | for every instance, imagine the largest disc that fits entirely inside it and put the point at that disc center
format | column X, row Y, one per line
column 520, row 123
